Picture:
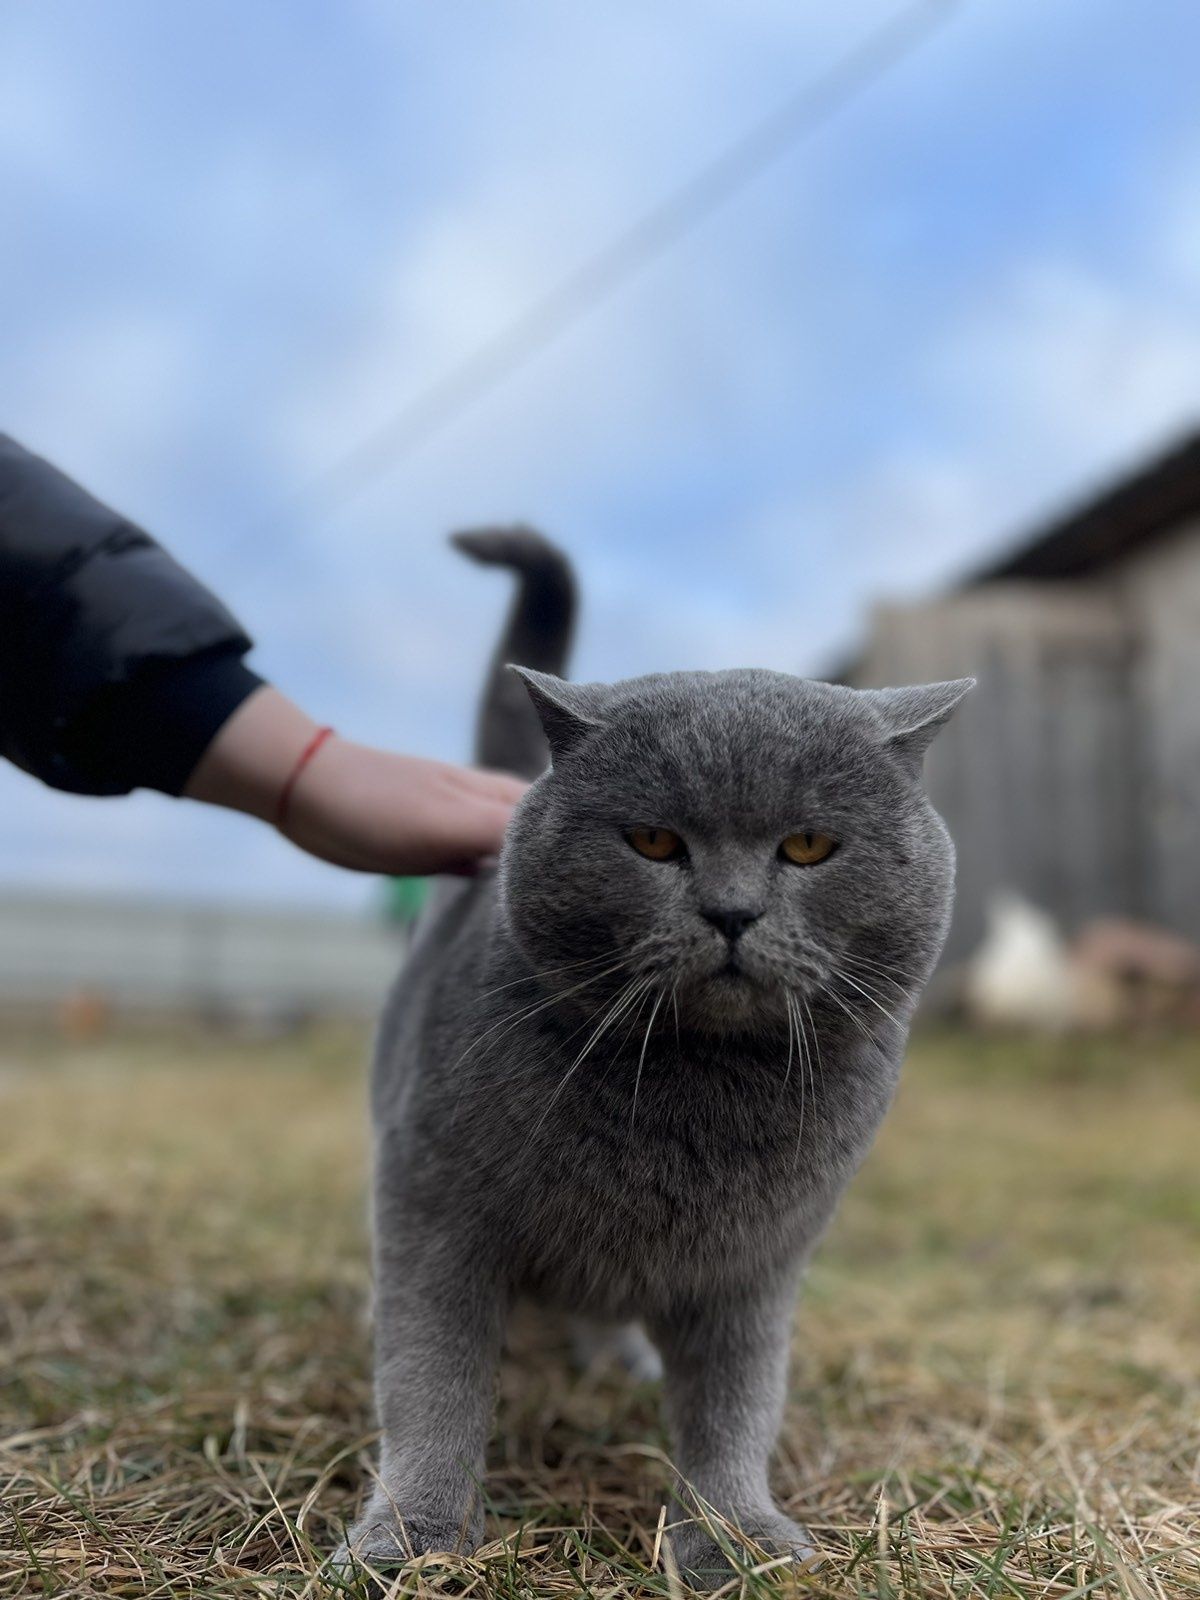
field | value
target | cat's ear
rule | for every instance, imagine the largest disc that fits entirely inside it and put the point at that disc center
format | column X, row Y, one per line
column 567, row 711
column 912, row 716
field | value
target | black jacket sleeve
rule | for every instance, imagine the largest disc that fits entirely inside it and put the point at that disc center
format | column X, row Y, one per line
column 116, row 666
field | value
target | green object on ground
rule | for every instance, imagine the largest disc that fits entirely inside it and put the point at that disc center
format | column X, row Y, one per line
column 404, row 899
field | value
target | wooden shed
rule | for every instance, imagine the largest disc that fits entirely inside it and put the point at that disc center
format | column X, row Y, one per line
column 1073, row 773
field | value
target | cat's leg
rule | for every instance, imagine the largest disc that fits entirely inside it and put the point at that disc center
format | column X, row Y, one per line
column 725, row 1385
column 439, row 1324
column 622, row 1344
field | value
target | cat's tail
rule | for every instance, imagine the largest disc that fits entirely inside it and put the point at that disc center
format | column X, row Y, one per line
column 536, row 634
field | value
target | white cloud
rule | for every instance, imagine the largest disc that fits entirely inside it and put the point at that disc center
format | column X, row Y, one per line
column 1060, row 376
column 1071, row 361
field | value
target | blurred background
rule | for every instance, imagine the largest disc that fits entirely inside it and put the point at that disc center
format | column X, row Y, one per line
column 854, row 341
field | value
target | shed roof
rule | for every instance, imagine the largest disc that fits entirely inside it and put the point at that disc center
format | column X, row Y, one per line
column 1130, row 512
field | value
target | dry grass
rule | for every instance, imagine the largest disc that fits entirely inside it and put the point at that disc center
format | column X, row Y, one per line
column 995, row 1390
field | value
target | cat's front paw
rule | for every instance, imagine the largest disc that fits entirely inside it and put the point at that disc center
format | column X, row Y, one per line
column 708, row 1553
column 384, row 1539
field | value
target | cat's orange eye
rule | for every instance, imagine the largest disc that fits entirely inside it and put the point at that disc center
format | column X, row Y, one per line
column 806, row 849
column 656, row 844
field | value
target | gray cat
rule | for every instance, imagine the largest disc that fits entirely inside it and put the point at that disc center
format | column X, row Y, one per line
column 630, row 1073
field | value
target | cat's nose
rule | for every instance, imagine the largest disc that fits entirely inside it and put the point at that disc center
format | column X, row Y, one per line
column 732, row 921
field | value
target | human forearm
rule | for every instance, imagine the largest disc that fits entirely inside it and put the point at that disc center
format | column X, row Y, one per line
column 356, row 806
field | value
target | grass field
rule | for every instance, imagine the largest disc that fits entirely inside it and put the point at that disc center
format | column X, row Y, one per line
column 997, row 1378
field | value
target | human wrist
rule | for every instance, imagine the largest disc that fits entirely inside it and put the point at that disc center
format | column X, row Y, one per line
column 252, row 757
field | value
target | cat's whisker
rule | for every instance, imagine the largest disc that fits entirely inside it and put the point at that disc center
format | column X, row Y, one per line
column 803, row 1086
column 868, row 986
column 793, row 1037
column 868, row 995
column 506, row 1024
column 802, row 1046
column 874, row 977
column 629, row 999
column 675, row 1009
column 812, row 1082
column 892, row 975
column 637, row 1016
column 816, row 1043
column 637, row 1082
column 589, row 1021
column 616, row 1010
column 549, row 972
column 880, row 966
column 787, row 1000
column 896, row 993
column 521, row 1069
column 842, row 1005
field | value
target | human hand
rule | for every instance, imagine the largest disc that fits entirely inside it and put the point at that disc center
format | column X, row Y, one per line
column 378, row 812
column 358, row 807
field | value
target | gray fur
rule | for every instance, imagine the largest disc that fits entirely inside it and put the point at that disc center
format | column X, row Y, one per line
column 673, row 1165
column 537, row 633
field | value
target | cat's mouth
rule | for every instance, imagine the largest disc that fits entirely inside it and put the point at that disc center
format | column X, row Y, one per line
column 751, row 977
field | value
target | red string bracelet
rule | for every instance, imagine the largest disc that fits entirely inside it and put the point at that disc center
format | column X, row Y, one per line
column 302, row 760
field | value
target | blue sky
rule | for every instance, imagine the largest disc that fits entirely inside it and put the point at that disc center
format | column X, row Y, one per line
column 235, row 239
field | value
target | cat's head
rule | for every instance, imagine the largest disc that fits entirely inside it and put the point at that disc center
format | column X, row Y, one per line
column 734, row 838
